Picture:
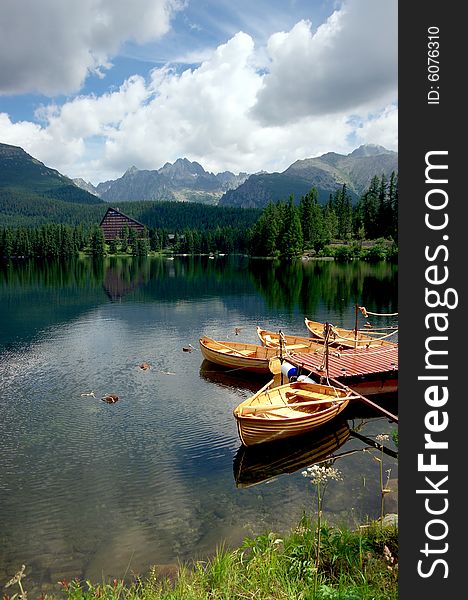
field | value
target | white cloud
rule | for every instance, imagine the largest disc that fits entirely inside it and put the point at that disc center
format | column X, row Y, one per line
column 350, row 61
column 219, row 113
column 382, row 127
column 50, row 46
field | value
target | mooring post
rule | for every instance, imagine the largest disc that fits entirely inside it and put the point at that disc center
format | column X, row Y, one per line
column 356, row 326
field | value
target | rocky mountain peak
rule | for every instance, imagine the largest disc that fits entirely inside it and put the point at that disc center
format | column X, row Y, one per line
column 370, row 150
column 131, row 171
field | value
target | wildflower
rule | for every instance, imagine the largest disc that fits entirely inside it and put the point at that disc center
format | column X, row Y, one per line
column 17, row 577
column 64, row 583
column 319, row 475
column 382, row 437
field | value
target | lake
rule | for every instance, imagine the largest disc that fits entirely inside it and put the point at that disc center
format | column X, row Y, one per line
column 95, row 490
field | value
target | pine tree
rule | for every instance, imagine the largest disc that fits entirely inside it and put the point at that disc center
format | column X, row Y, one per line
column 113, row 246
column 97, row 242
column 370, row 207
column 330, row 221
column 290, row 238
column 393, row 202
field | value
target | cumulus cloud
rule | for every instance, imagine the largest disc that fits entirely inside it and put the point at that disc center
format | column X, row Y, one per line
column 51, row 46
column 350, row 61
column 382, row 126
column 229, row 114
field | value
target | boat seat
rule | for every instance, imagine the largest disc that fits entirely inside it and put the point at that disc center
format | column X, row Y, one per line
column 310, row 396
column 281, row 413
column 235, row 352
column 296, row 346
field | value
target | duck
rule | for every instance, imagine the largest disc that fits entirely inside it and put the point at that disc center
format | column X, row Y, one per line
column 188, row 348
column 237, row 330
column 88, row 394
column 144, row 366
column 110, row 398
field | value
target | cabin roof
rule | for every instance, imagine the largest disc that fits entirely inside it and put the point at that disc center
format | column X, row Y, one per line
column 113, row 222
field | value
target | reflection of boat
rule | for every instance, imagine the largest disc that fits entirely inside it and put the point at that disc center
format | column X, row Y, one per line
column 271, row 339
column 257, row 464
column 343, row 337
column 275, row 413
column 236, row 355
column 224, row 378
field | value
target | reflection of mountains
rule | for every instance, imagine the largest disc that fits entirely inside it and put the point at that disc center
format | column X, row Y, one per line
column 257, row 464
column 232, row 378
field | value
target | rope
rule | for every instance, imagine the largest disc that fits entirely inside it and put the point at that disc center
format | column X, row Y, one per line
column 370, row 340
column 366, row 329
column 365, row 312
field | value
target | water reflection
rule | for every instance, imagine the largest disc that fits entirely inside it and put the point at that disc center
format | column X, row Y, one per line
column 88, row 488
column 232, row 378
column 310, row 284
column 259, row 464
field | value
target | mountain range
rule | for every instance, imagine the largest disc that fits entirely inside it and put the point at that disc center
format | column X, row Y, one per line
column 183, row 181
column 326, row 173
column 188, row 181
column 27, row 186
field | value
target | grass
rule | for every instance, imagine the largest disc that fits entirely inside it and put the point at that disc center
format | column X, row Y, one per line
column 354, row 565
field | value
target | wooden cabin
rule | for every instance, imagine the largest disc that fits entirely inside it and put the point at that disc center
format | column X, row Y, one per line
column 114, row 221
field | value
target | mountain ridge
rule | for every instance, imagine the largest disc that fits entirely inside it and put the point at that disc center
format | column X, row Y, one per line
column 183, row 181
column 326, row 173
column 22, row 174
column 24, row 177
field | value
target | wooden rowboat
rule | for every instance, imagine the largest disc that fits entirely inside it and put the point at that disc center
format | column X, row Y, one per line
column 271, row 339
column 276, row 413
column 248, row 357
column 235, row 355
column 344, row 337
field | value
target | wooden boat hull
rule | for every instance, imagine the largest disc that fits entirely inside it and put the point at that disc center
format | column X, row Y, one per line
column 244, row 357
column 261, row 463
column 372, row 386
column 343, row 337
column 294, row 419
column 232, row 355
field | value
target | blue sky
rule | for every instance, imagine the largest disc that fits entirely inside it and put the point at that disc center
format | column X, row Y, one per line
column 91, row 88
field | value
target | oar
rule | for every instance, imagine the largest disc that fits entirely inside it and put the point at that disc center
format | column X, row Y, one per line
column 263, row 389
column 359, row 396
column 226, row 346
column 268, row 407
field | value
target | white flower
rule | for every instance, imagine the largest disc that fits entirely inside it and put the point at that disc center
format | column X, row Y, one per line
column 382, row 437
column 17, row 578
column 319, row 474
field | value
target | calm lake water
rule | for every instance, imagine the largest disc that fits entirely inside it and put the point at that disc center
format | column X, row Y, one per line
column 93, row 490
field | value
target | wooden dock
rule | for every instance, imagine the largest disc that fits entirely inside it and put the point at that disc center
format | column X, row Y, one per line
column 369, row 371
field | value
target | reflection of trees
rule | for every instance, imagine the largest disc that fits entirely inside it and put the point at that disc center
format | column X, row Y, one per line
column 290, row 285
column 145, row 278
column 52, row 273
column 306, row 284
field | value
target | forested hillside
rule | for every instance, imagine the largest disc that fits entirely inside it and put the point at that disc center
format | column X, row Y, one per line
column 24, row 178
column 285, row 229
